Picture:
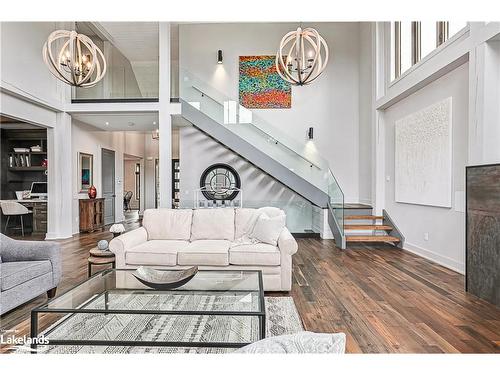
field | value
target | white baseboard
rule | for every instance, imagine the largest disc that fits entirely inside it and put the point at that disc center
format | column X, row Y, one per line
column 57, row 236
column 437, row 258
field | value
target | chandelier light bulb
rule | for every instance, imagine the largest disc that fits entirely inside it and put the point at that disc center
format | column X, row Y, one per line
column 302, row 56
column 80, row 62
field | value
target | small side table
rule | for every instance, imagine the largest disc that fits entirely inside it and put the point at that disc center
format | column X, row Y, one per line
column 99, row 257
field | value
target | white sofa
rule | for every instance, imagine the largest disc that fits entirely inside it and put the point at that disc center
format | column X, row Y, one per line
column 210, row 239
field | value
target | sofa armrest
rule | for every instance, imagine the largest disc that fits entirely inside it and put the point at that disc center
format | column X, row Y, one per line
column 122, row 243
column 18, row 251
column 287, row 243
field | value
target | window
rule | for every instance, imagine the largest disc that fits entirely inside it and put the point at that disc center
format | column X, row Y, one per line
column 412, row 41
column 428, row 39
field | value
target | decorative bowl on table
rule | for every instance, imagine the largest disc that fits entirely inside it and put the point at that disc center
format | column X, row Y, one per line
column 164, row 279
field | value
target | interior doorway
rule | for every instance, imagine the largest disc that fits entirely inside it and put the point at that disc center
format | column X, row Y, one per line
column 132, row 186
column 23, row 179
column 108, row 185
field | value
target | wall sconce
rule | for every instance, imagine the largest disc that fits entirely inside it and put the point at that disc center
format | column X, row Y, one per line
column 310, row 133
column 219, row 56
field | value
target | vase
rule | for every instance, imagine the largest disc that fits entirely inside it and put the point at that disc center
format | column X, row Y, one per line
column 92, row 192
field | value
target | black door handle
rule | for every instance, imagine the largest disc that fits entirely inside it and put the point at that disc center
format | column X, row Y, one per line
column 114, row 196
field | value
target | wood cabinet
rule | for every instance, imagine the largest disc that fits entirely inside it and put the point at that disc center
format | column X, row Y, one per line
column 91, row 214
column 39, row 210
column 40, row 217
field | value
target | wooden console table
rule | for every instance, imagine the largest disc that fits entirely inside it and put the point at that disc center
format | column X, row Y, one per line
column 91, row 214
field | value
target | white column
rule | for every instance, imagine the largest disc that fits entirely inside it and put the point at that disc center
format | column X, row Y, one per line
column 60, row 178
column 381, row 73
column 165, row 120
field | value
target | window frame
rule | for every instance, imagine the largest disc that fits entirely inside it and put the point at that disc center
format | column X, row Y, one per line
column 442, row 39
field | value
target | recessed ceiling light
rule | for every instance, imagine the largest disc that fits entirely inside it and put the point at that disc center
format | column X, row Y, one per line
column 154, row 122
column 106, row 123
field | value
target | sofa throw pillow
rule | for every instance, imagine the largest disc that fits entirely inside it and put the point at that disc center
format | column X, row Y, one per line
column 268, row 229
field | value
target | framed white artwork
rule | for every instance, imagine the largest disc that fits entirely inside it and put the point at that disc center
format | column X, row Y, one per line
column 423, row 156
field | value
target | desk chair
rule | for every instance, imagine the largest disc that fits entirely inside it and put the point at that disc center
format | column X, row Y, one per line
column 12, row 208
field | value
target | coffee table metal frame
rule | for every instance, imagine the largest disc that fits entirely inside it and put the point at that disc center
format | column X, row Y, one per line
column 44, row 309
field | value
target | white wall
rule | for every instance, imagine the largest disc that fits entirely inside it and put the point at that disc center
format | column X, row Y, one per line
column 22, row 65
column 330, row 104
column 445, row 227
column 198, row 152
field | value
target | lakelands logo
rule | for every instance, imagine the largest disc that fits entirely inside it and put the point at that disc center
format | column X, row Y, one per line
column 22, row 343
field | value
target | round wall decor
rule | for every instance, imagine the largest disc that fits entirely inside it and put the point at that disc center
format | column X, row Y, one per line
column 220, row 182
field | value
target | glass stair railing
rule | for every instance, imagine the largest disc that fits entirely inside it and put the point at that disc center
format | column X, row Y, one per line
column 303, row 161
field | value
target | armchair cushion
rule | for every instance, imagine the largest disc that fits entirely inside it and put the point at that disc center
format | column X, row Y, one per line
column 16, row 273
column 19, row 251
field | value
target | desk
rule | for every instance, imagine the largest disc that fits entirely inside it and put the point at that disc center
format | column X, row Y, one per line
column 39, row 208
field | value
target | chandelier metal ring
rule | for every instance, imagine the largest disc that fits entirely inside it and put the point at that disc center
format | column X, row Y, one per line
column 79, row 61
column 303, row 62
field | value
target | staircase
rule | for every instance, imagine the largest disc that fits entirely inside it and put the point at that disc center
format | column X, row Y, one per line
column 277, row 154
column 361, row 226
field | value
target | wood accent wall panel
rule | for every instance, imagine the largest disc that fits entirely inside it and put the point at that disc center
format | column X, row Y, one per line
column 483, row 232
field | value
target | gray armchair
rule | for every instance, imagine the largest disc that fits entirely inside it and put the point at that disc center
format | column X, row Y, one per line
column 27, row 269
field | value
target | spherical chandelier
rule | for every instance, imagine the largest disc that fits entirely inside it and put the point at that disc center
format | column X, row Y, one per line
column 78, row 62
column 302, row 56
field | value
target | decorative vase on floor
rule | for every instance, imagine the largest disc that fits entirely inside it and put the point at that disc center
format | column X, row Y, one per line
column 92, row 192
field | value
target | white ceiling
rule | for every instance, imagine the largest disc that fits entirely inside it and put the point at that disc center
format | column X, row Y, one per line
column 142, row 121
column 137, row 41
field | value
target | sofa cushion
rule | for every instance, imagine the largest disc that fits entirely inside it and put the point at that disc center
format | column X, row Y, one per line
column 213, row 224
column 15, row 273
column 244, row 221
column 167, row 224
column 155, row 252
column 259, row 254
column 205, row 253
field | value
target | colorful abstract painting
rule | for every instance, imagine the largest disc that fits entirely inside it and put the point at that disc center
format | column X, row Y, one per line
column 260, row 85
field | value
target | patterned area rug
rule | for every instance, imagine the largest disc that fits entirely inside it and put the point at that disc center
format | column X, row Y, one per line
column 281, row 318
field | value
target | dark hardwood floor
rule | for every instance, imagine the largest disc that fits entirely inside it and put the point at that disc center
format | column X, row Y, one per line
column 386, row 300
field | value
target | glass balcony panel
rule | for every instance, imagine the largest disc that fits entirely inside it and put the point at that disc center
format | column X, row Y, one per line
column 124, row 79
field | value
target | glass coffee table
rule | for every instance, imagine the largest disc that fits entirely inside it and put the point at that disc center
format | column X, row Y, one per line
column 215, row 309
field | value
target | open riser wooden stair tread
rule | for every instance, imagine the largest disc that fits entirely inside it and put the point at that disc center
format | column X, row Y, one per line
column 372, row 239
column 363, row 217
column 367, row 227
